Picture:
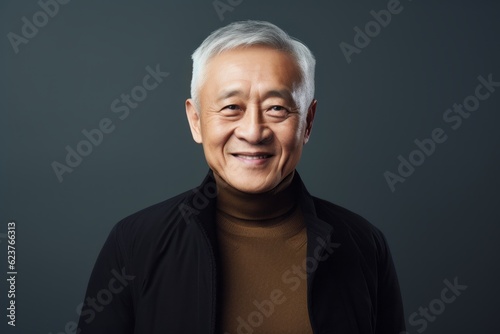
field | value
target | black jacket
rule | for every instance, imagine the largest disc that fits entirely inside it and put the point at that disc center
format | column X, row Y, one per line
column 158, row 271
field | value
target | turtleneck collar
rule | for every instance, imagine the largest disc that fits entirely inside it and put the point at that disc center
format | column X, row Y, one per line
column 256, row 207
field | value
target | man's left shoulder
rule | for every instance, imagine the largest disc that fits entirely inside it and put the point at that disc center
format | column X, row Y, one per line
column 349, row 222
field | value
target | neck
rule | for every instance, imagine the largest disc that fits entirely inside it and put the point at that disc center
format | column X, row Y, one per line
column 256, row 207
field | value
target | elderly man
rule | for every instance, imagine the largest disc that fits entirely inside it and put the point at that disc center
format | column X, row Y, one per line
column 249, row 250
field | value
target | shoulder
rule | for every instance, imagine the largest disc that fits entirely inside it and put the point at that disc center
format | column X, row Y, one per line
column 143, row 227
column 352, row 225
column 148, row 230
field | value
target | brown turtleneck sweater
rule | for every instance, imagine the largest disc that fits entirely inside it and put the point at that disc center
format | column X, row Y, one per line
column 262, row 240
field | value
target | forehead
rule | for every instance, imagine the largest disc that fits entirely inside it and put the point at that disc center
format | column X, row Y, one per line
column 252, row 66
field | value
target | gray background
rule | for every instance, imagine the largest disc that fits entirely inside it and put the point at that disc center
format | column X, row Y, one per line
column 441, row 223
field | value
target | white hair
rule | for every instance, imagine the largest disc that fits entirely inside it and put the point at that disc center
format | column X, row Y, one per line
column 248, row 33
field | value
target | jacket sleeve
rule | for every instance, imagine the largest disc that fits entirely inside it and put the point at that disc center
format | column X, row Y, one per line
column 107, row 306
column 390, row 312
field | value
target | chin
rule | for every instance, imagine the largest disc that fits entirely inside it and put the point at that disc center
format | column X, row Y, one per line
column 251, row 185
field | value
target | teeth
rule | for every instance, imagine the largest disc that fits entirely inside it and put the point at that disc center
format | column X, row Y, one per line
column 253, row 157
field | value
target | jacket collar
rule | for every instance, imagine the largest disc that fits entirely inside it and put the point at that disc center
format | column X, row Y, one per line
column 202, row 200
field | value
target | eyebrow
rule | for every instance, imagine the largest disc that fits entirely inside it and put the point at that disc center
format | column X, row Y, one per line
column 229, row 93
column 281, row 93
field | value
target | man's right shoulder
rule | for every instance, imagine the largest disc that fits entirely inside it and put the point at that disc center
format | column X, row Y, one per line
column 143, row 226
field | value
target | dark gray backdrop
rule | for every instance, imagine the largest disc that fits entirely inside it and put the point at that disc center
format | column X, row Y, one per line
column 441, row 223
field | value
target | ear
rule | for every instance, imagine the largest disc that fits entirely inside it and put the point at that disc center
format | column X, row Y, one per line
column 193, row 117
column 309, row 120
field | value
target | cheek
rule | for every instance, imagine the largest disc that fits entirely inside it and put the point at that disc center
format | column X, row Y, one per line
column 216, row 134
column 290, row 137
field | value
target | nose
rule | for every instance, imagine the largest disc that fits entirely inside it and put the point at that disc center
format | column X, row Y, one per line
column 252, row 127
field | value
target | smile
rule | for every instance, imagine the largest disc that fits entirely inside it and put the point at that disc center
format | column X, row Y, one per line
column 252, row 157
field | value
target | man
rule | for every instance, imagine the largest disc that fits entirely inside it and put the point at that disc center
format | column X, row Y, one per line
column 249, row 250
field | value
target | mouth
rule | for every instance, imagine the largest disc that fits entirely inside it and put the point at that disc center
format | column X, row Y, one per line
column 251, row 156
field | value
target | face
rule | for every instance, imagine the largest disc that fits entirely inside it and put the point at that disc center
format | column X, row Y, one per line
column 249, row 123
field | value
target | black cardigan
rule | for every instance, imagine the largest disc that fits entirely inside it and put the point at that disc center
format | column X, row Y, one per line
column 157, row 272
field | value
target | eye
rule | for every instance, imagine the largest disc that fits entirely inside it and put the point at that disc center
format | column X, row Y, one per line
column 277, row 111
column 231, row 107
column 231, row 110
